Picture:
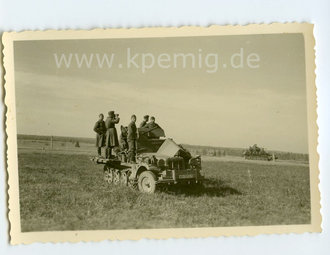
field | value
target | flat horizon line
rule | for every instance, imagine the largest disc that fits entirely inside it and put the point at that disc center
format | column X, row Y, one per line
column 209, row 146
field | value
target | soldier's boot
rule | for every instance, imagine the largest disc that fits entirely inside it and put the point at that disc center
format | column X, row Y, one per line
column 108, row 153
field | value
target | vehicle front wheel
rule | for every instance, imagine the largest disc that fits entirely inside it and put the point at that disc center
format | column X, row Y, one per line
column 147, row 182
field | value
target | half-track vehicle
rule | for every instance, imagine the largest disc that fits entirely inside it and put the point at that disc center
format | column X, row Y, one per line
column 159, row 161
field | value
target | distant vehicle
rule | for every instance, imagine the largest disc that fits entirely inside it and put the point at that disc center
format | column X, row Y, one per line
column 159, row 161
column 257, row 153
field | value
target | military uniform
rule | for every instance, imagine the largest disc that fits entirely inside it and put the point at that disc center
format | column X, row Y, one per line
column 131, row 139
column 100, row 130
column 123, row 139
column 143, row 124
column 151, row 125
column 111, row 134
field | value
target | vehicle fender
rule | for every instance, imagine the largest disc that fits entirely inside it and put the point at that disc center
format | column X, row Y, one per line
column 142, row 168
column 138, row 169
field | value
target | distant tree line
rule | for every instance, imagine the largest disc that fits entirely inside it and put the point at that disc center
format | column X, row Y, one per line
column 56, row 138
column 194, row 149
column 291, row 156
column 239, row 152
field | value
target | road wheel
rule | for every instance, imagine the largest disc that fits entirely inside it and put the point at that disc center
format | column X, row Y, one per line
column 147, row 182
column 124, row 179
column 116, row 178
column 108, row 174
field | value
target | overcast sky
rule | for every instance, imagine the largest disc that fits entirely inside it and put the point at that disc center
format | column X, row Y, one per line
column 231, row 107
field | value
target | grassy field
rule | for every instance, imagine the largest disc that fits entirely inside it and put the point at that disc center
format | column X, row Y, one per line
column 65, row 191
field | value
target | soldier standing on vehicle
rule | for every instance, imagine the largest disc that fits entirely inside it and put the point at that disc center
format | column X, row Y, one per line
column 145, row 121
column 123, row 138
column 152, row 124
column 111, row 134
column 153, row 129
column 100, row 130
column 131, row 139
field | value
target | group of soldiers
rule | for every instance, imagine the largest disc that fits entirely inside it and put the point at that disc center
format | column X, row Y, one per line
column 106, row 134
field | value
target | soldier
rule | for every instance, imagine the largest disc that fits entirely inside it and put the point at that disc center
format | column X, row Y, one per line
column 131, row 139
column 152, row 124
column 123, row 138
column 100, row 130
column 111, row 134
column 152, row 128
column 145, row 121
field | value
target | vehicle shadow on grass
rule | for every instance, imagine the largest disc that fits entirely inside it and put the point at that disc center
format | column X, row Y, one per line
column 214, row 188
